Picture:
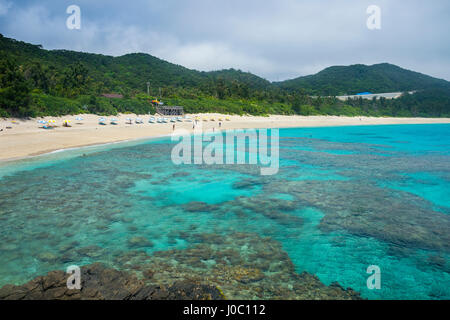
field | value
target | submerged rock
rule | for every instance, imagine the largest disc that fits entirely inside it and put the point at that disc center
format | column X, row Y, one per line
column 181, row 174
column 199, row 206
column 244, row 275
column 236, row 265
column 48, row 257
column 90, row 251
column 244, row 266
column 247, row 184
column 137, row 242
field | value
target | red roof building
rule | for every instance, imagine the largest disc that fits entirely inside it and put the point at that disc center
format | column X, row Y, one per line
column 112, row 95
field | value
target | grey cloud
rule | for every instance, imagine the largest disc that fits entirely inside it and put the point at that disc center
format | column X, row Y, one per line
column 276, row 39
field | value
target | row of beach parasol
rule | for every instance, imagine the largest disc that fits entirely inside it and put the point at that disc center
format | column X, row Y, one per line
column 50, row 124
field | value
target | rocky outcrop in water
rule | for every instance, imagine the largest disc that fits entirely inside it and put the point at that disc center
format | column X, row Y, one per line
column 101, row 283
column 234, row 266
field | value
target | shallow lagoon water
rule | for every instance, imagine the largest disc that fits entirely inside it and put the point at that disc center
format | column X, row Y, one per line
column 344, row 198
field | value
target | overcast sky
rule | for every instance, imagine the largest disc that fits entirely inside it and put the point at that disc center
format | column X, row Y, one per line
column 275, row 39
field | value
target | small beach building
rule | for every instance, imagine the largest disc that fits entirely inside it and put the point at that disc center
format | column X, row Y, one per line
column 112, row 95
column 170, row 111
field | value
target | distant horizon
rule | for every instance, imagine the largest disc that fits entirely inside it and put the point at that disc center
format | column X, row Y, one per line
column 224, row 69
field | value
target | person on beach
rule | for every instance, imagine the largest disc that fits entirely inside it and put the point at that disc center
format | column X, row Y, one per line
column 220, row 124
column 173, row 127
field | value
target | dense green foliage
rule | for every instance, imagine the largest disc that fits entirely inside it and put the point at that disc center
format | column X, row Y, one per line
column 37, row 82
column 14, row 89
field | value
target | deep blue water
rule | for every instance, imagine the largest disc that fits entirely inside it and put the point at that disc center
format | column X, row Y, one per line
column 343, row 199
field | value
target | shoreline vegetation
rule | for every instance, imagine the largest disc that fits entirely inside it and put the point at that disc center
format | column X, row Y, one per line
column 25, row 138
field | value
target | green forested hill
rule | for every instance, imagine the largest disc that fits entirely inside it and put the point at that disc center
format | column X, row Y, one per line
column 378, row 78
column 35, row 82
column 129, row 72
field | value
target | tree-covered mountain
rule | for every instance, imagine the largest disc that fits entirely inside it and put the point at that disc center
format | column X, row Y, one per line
column 35, row 81
column 129, row 72
column 348, row 80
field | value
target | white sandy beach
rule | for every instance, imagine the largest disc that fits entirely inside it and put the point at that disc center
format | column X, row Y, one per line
column 24, row 138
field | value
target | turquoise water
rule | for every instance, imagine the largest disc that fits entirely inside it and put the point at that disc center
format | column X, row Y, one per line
column 343, row 199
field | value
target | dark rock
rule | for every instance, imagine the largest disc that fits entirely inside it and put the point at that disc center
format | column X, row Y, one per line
column 100, row 283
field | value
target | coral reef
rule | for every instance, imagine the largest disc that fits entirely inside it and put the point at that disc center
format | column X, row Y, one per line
column 229, row 227
column 242, row 265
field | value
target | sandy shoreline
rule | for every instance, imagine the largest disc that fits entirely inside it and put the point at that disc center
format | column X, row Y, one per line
column 25, row 138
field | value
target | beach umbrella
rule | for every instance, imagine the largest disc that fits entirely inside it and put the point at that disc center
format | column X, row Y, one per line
column 79, row 118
